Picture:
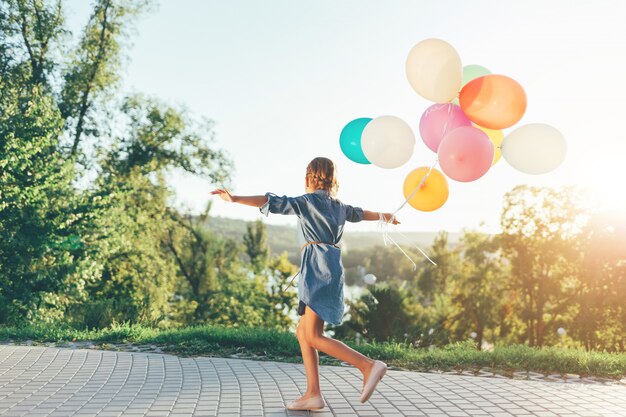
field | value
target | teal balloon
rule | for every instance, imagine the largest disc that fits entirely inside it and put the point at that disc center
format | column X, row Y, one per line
column 471, row 72
column 350, row 140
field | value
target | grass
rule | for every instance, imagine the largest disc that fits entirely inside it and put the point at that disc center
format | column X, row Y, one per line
column 266, row 344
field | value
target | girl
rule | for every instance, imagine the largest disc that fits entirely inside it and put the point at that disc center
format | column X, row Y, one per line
column 321, row 219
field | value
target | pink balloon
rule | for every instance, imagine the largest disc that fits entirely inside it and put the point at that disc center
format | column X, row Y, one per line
column 465, row 154
column 438, row 120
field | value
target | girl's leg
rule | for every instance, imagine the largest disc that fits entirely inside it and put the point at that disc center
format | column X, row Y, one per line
column 314, row 334
column 311, row 363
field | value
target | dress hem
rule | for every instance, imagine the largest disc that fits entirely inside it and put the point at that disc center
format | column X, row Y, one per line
column 318, row 315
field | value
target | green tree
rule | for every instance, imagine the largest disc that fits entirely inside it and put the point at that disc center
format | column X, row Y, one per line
column 135, row 243
column 113, row 230
column 247, row 299
column 478, row 290
column 255, row 241
column 381, row 313
column 539, row 237
column 29, row 32
column 433, row 279
column 281, row 303
column 202, row 257
column 37, row 225
column 93, row 72
column 432, row 321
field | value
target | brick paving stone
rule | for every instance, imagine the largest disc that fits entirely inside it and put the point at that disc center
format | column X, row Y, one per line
column 80, row 381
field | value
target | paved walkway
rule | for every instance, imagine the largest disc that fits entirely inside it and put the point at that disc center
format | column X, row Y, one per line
column 39, row 381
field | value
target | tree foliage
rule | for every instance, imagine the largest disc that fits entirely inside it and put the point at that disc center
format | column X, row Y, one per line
column 37, row 213
column 87, row 231
column 255, row 241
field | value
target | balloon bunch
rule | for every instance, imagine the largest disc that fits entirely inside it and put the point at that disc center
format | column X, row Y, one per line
column 463, row 127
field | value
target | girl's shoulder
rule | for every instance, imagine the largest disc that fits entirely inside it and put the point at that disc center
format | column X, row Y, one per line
column 325, row 197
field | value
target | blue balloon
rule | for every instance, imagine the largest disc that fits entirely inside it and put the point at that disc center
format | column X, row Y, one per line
column 350, row 140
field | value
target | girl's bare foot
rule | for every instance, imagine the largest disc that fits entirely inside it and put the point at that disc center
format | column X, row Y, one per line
column 308, row 395
column 308, row 401
column 366, row 370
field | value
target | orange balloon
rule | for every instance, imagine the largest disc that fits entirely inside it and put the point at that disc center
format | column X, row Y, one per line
column 493, row 101
column 431, row 195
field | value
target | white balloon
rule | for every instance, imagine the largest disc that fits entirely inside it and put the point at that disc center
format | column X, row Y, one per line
column 369, row 279
column 434, row 70
column 388, row 142
column 534, row 148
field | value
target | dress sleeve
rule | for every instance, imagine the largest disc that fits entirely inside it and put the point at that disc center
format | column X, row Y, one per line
column 282, row 205
column 353, row 214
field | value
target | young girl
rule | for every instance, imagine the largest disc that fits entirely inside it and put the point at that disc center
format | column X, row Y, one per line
column 321, row 219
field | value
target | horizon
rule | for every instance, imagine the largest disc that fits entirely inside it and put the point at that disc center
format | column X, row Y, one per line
column 293, row 226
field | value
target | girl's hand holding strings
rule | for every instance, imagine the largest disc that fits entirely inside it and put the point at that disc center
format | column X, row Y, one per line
column 224, row 194
column 392, row 217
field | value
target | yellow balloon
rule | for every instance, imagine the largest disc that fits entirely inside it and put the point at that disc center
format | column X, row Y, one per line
column 431, row 195
column 496, row 137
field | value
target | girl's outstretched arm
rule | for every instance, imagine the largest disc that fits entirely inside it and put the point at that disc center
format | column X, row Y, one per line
column 374, row 215
column 252, row 200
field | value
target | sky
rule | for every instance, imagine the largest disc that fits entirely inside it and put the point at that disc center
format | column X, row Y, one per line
column 281, row 78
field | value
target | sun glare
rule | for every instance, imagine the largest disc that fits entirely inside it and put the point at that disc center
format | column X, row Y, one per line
column 607, row 197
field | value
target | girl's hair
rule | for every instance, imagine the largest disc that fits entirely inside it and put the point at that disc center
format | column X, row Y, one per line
column 322, row 174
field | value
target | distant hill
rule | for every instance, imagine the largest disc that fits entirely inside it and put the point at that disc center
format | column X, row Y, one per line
column 283, row 238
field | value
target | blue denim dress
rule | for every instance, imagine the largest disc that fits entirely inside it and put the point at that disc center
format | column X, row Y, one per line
column 321, row 218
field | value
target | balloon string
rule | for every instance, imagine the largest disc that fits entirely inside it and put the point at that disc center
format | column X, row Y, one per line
column 387, row 238
column 383, row 226
column 445, row 125
column 418, row 248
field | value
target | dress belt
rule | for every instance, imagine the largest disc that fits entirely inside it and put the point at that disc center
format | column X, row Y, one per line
column 301, row 248
column 313, row 243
